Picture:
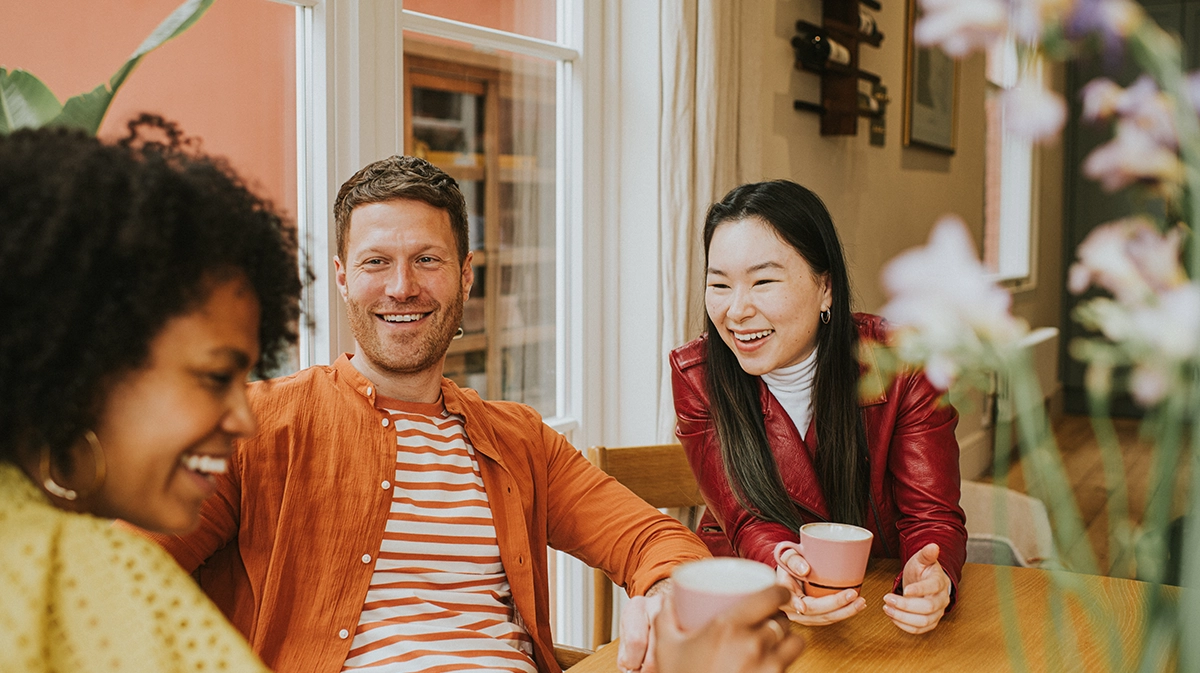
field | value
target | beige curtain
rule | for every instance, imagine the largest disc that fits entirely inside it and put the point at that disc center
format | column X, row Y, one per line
column 698, row 161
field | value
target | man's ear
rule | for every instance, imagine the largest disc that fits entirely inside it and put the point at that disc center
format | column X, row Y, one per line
column 339, row 276
column 468, row 276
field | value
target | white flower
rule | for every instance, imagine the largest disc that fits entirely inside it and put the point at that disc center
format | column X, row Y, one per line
column 1154, row 318
column 1149, row 385
column 1101, row 96
column 1130, row 259
column 1156, row 256
column 1158, row 336
column 1144, row 147
column 944, row 310
column 941, row 371
column 1144, row 106
column 1103, row 260
column 1132, row 155
column 1169, row 328
column 1028, row 18
column 960, row 27
column 1031, row 111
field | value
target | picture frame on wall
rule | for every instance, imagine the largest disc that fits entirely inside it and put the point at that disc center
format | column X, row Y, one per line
column 930, row 93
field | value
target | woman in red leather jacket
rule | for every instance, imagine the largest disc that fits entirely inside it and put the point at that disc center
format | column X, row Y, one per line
column 776, row 430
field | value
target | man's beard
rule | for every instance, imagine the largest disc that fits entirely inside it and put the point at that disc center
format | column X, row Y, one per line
column 411, row 355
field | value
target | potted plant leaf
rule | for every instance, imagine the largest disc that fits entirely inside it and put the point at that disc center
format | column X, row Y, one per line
column 26, row 102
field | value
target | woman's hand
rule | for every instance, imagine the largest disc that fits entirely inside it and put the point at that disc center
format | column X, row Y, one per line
column 752, row 638
column 790, row 570
column 926, row 593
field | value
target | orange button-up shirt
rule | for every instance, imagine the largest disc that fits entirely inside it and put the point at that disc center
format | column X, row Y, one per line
column 286, row 546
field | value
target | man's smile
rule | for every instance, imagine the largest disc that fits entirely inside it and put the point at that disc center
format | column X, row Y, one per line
column 402, row 317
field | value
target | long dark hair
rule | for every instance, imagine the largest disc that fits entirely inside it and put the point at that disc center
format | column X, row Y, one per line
column 800, row 218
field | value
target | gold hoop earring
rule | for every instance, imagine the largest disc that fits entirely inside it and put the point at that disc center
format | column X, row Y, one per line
column 55, row 489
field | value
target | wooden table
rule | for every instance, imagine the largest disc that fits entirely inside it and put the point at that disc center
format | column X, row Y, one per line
column 971, row 638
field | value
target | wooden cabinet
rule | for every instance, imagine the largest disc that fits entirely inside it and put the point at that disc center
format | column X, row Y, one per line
column 464, row 112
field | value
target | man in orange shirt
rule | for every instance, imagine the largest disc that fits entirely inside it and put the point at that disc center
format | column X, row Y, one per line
column 384, row 518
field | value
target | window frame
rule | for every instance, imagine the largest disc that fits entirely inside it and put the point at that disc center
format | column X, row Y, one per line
column 1016, row 220
column 350, row 111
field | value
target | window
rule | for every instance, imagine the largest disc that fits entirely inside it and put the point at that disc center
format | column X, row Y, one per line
column 1009, row 176
column 490, row 91
column 489, row 121
column 476, row 87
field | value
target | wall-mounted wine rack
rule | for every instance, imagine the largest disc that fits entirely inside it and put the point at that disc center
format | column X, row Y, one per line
column 831, row 51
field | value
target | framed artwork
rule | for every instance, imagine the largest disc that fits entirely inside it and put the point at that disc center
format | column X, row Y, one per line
column 930, row 93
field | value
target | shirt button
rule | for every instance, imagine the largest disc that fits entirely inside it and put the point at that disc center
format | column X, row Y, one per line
column 369, row 389
column 343, row 634
column 385, row 422
column 385, row 485
column 366, row 558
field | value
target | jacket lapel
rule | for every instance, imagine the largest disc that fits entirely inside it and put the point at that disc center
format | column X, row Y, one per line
column 795, row 465
column 791, row 455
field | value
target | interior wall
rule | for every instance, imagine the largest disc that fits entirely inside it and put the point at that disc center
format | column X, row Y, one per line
column 229, row 80
column 884, row 200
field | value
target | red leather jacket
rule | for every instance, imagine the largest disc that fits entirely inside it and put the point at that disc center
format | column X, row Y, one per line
column 912, row 451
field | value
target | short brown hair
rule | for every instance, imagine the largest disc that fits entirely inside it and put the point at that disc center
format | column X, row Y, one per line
column 402, row 177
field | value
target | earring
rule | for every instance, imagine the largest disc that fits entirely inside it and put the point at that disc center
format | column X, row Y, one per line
column 54, row 488
column 825, row 316
column 458, row 334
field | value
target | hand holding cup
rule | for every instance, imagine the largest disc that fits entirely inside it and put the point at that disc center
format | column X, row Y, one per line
column 824, row 572
column 722, row 616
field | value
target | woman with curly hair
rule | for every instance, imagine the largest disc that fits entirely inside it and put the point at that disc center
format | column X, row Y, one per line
column 140, row 283
column 773, row 416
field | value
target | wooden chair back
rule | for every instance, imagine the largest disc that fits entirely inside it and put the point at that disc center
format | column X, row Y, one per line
column 568, row 656
column 658, row 474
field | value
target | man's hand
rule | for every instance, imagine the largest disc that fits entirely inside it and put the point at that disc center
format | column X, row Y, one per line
column 926, row 593
column 636, row 650
column 752, row 638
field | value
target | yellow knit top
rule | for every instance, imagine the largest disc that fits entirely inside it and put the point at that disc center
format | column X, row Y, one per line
column 78, row 595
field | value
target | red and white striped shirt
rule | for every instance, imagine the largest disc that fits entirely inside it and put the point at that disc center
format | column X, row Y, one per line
column 439, row 599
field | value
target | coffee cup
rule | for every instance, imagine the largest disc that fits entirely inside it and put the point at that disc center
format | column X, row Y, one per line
column 709, row 587
column 837, row 557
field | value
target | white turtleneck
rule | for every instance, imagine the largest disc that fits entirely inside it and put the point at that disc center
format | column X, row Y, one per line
column 793, row 386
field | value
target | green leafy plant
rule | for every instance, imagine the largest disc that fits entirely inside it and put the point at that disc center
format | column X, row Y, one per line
column 26, row 102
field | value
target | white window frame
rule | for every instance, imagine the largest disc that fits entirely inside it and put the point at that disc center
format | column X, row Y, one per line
column 350, row 111
column 1019, row 174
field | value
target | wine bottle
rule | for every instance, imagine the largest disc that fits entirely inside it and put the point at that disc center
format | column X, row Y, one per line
column 868, row 105
column 867, row 26
column 815, row 49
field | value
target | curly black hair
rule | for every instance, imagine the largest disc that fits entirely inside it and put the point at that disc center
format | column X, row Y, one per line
column 102, row 244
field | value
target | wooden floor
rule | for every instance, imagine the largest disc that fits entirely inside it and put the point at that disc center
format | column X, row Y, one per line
column 1081, row 457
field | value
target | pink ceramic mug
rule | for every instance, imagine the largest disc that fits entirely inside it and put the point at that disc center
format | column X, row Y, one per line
column 704, row 589
column 837, row 557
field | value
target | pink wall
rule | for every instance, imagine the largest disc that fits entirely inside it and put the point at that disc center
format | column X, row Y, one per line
column 229, row 80
column 535, row 18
